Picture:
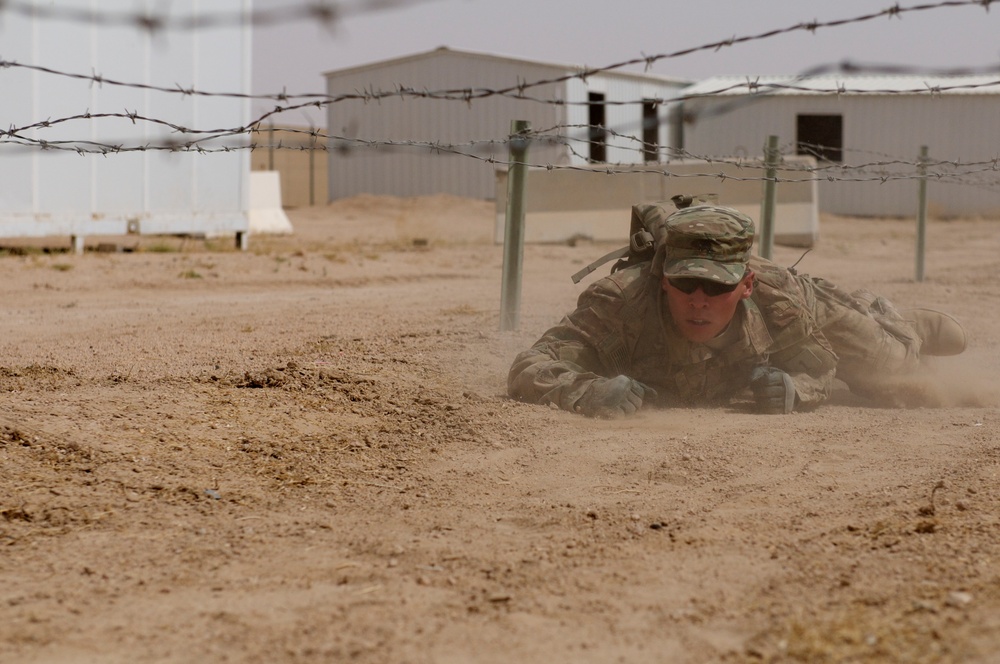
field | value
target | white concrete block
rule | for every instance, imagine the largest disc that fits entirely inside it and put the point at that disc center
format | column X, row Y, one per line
column 266, row 214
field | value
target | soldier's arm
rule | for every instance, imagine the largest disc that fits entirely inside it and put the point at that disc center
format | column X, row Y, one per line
column 812, row 366
column 555, row 370
column 561, row 366
column 810, row 391
column 802, row 350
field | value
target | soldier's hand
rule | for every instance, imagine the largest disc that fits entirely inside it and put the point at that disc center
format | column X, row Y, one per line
column 610, row 398
column 773, row 391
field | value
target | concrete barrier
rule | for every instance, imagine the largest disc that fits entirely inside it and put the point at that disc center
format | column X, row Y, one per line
column 266, row 214
column 589, row 203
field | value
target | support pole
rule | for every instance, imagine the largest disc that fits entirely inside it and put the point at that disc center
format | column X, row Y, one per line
column 767, row 206
column 270, row 146
column 312, row 169
column 921, row 212
column 513, row 243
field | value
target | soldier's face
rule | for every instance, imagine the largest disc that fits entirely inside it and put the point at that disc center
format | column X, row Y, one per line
column 701, row 317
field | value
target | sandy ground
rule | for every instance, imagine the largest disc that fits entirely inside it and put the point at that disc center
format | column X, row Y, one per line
column 304, row 453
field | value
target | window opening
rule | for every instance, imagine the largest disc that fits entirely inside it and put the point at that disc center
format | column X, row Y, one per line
column 821, row 136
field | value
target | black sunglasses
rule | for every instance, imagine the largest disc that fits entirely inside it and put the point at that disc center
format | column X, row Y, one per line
column 688, row 285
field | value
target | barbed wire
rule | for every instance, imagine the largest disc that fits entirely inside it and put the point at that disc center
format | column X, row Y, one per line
column 323, row 12
column 575, row 138
column 208, row 141
column 133, row 116
column 555, row 135
column 881, row 171
column 326, row 12
column 751, row 86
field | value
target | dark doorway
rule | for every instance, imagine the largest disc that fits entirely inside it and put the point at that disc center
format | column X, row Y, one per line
column 650, row 131
column 597, row 135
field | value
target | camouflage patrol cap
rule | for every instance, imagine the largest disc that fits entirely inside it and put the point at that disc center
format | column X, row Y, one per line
column 708, row 242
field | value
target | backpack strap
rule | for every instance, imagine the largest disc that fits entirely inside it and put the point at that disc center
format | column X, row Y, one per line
column 617, row 253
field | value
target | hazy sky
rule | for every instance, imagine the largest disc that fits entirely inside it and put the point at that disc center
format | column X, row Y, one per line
column 293, row 56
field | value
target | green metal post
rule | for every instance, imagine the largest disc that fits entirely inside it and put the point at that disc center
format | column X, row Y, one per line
column 312, row 168
column 513, row 243
column 767, row 206
column 270, row 146
column 921, row 212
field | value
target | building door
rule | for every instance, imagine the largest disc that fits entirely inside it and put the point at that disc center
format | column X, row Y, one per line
column 650, row 131
column 597, row 135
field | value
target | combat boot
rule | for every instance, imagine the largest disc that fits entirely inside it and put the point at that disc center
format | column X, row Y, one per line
column 940, row 333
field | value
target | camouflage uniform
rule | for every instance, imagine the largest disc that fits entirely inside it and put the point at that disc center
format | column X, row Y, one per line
column 807, row 327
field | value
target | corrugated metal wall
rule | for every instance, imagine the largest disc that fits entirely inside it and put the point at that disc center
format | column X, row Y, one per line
column 876, row 129
column 54, row 192
column 409, row 171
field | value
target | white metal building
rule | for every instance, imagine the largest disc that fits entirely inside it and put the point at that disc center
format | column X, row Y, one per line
column 849, row 121
column 628, row 105
column 51, row 192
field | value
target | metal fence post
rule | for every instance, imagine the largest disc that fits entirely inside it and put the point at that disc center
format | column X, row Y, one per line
column 270, row 146
column 921, row 211
column 513, row 243
column 312, row 167
column 766, row 243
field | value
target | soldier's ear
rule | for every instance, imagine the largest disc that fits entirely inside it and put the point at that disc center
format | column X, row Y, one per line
column 747, row 284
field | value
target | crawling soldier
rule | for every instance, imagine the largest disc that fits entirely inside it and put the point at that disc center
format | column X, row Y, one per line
column 703, row 320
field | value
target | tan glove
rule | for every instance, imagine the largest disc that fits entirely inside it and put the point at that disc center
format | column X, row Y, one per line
column 611, row 398
column 773, row 391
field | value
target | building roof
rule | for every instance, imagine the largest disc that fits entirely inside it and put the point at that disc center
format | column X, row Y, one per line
column 846, row 84
column 473, row 55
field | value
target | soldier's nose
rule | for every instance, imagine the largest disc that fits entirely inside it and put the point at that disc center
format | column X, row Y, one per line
column 698, row 297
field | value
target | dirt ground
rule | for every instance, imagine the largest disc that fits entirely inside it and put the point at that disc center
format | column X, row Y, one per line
column 305, row 453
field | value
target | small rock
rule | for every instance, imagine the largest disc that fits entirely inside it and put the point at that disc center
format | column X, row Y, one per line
column 958, row 599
